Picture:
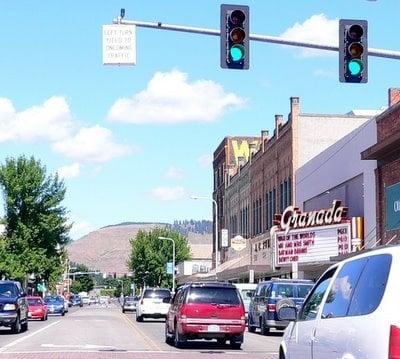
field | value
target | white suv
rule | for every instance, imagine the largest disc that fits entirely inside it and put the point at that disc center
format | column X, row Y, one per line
column 153, row 303
column 353, row 311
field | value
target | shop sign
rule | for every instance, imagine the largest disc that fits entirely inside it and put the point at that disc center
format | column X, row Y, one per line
column 312, row 245
column 238, row 243
column 224, row 238
column 293, row 218
column 393, row 206
column 261, row 252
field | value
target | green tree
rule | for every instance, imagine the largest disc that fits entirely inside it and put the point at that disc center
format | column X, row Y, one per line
column 36, row 222
column 82, row 282
column 149, row 256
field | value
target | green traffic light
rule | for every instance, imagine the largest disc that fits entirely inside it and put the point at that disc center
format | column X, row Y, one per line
column 237, row 53
column 355, row 67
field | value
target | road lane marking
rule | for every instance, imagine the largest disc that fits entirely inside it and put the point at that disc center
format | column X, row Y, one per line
column 147, row 340
column 19, row 340
column 80, row 346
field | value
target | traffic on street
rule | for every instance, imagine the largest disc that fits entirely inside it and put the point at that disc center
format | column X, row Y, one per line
column 93, row 331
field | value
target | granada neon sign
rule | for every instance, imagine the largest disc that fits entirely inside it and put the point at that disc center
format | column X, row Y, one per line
column 292, row 217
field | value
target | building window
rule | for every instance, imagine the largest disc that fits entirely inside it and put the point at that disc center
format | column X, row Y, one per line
column 273, row 204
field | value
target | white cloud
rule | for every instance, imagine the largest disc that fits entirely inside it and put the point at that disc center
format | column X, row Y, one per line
column 91, row 145
column 205, row 161
column 70, row 171
column 168, row 193
column 317, row 29
column 50, row 121
column 171, row 98
column 175, row 173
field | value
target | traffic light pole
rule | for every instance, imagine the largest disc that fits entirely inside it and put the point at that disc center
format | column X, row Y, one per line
column 389, row 54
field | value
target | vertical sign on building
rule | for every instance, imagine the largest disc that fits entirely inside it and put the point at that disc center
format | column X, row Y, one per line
column 392, row 206
column 119, row 44
column 224, row 238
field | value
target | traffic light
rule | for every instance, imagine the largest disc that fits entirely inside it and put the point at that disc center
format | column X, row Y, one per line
column 353, row 51
column 235, row 49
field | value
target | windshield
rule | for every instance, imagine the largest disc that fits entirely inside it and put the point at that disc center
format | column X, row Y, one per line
column 157, row 293
column 7, row 290
column 247, row 294
column 214, row 295
column 34, row 302
column 53, row 300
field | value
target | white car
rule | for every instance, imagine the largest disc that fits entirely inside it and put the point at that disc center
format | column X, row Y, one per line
column 352, row 312
column 246, row 291
column 153, row 303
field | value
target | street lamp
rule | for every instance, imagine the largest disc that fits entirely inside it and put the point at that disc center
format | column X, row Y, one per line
column 173, row 261
column 216, row 229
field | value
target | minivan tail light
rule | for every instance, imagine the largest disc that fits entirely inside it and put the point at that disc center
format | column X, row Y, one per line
column 394, row 342
column 271, row 307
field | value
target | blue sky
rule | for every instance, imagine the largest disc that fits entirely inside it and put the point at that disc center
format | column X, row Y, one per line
column 58, row 102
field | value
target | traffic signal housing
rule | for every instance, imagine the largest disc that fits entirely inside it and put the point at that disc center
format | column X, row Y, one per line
column 353, row 51
column 235, row 49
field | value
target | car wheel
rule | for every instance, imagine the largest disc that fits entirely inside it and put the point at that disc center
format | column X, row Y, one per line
column 251, row 328
column 62, row 314
column 179, row 340
column 235, row 345
column 168, row 338
column 123, row 310
column 43, row 318
column 139, row 318
column 24, row 326
column 16, row 326
column 263, row 327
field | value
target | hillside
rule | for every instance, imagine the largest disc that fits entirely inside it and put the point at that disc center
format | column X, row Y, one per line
column 107, row 249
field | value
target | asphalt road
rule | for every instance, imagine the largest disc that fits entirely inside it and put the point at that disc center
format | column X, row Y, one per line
column 98, row 332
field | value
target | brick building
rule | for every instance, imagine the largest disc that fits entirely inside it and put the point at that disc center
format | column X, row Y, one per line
column 271, row 171
column 387, row 152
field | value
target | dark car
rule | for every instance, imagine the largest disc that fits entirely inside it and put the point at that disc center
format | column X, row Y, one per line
column 76, row 301
column 129, row 304
column 210, row 310
column 13, row 306
column 269, row 297
column 55, row 305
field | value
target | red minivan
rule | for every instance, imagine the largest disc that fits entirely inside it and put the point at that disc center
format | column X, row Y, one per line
column 209, row 310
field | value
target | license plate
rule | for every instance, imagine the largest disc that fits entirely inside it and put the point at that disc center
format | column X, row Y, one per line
column 213, row 328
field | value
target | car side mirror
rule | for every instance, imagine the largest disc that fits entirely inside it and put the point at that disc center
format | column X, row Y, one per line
column 167, row 300
column 287, row 314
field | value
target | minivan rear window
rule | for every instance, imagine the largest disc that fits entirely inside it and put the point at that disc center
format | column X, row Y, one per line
column 157, row 293
column 214, row 295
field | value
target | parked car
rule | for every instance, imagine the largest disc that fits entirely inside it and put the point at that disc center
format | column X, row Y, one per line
column 153, row 303
column 55, row 304
column 92, row 300
column 13, row 306
column 210, row 310
column 269, row 297
column 76, row 301
column 37, row 308
column 246, row 291
column 352, row 311
column 85, row 300
column 129, row 304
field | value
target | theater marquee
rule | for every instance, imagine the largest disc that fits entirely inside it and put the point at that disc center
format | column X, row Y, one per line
column 316, row 236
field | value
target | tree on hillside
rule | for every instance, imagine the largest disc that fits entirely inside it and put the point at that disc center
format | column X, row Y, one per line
column 82, row 282
column 149, row 256
column 36, row 222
